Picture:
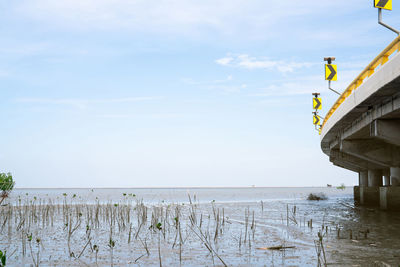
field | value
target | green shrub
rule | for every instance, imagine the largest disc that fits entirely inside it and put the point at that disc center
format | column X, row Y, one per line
column 6, row 185
column 3, row 258
column 6, row 182
column 341, row 187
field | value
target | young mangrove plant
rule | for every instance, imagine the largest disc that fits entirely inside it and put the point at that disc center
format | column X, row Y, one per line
column 6, row 185
column 3, row 258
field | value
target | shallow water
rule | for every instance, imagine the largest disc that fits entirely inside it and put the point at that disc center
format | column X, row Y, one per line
column 180, row 195
column 281, row 217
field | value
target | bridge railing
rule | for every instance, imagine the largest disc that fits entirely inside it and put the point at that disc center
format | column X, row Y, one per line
column 380, row 60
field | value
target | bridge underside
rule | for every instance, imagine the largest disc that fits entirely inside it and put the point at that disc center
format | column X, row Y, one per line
column 366, row 140
column 370, row 146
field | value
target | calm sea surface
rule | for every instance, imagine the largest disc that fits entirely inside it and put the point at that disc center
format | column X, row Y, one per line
column 353, row 236
column 180, row 195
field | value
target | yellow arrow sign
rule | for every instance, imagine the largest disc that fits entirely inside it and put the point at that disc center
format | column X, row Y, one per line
column 384, row 4
column 330, row 72
column 317, row 103
column 316, row 120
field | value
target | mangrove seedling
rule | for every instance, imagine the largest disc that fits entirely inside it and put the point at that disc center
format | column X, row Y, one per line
column 6, row 185
column 3, row 258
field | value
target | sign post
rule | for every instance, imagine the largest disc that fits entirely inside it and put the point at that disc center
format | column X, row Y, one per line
column 384, row 4
column 330, row 73
column 317, row 105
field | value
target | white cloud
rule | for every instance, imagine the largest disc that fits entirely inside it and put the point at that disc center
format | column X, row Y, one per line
column 247, row 62
column 224, row 61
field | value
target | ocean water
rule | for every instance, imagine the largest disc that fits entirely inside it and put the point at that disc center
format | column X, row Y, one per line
column 180, row 195
column 239, row 223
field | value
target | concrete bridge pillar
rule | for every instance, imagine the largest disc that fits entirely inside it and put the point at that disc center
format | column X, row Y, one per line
column 386, row 180
column 370, row 193
column 395, row 176
column 374, row 178
column 363, row 178
column 386, row 177
column 362, row 182
column 390, row 196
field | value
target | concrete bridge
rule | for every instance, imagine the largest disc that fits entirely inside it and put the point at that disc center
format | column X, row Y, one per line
column 361, row 132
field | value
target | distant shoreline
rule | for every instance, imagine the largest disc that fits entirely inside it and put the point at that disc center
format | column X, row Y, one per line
column 183, row 187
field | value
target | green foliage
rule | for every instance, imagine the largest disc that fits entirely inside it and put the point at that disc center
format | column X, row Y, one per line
column 341, row 187
column 6, row 182
column 3, row 258
column 111, row 244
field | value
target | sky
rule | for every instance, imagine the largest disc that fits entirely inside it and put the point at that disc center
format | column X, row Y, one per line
column 176, row 93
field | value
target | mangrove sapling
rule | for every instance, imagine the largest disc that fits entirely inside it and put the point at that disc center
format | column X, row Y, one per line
column 180, row 243
column 130, row 233
column 253, row 226
column 145, row 246
column 246, row 223
column 88, row 237
column 6, row 185
column 72, row 226
column 36, row 260
column 3, row 258
column 320, row 250
column 96, row 251
column 203, row 238
column 159, row 249
column 111, row 245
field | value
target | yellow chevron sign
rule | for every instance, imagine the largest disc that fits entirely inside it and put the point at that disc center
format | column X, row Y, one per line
column 384, row 4
column 330, row 72
column 317, row 103
column 316, row 120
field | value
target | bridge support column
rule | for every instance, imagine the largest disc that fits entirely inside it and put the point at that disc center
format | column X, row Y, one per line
column 390, row 196
column 395, row 176
column 374, row 178
column 362, row 182
column 386, row 177
column 370, row 195
column 363, row 178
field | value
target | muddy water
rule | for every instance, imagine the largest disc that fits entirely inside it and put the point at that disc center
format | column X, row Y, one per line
column 352, row 236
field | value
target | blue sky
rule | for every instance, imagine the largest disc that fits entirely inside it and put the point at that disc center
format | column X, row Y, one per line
column 100, row 93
